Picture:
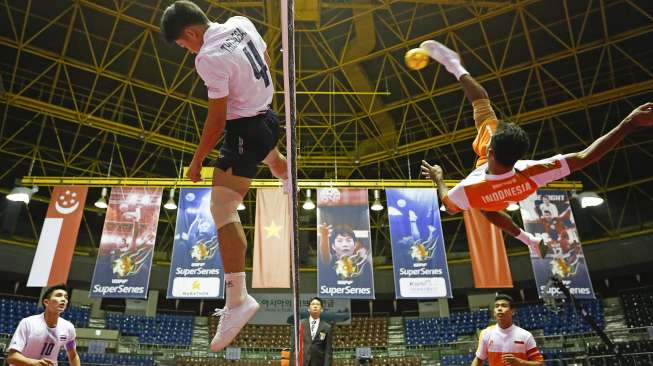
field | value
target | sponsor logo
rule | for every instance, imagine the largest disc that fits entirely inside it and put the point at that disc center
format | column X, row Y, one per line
column 347, row 290
column 420, row 272
column 120, row 289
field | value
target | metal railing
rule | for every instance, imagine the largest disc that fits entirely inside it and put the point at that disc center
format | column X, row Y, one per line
column 579, row 342
column 630, row 359
column 3, row 362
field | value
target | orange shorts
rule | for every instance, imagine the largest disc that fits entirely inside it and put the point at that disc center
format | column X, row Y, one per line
column 486, row 122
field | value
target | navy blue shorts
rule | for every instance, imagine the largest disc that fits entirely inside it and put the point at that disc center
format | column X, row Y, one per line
column 247, row 141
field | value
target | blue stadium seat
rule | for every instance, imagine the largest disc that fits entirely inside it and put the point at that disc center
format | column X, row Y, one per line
column 13, row 310
column 638, row 307
column 116, row 359
column 163, row 329
column 434, row 331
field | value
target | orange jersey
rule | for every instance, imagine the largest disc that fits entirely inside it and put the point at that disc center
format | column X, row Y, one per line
column 495, row 342
column 491, row 192
column 483, row 138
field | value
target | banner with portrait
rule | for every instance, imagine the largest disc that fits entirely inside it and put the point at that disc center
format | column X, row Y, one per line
column 547, row 214
column 344, row 265
column 418, row 253
column 124, row 260
column 196, row 270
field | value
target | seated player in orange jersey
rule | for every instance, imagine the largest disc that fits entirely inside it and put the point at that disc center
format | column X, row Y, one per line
column 500, row 177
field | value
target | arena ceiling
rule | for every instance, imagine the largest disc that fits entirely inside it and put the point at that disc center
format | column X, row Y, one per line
column 87, row 83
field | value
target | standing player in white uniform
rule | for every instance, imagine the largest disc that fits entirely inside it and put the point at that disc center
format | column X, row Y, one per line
column 505, row 343
column 233, row 63
column 39, row 338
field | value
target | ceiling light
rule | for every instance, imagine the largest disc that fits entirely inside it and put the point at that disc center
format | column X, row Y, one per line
column 590, row 199
column 377, row 206
column 171, row 205
column 102, row 201
column 513, row 206
column 308, row 204
column 22, row 194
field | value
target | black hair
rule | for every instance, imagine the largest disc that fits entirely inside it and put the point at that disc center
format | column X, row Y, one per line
column 48, row 292
column 509, row 143
column 318, row 299
column 179, row 15
column 342, row 230
column 505, row 297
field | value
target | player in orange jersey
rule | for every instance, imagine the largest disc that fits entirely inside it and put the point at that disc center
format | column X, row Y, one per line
column 500, row 177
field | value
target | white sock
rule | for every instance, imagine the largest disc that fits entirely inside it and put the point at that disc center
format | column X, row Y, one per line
column 447, row 57
column 235, row 288
column 528, row 238
column 457, row 70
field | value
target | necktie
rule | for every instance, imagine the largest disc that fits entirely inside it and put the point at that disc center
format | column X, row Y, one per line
column 313, row 322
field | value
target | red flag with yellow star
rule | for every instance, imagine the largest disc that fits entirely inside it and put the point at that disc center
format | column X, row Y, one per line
column 271, row 267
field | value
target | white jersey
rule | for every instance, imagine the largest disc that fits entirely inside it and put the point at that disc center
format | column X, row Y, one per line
column 494, row 342
column 232, row 63
column 34, row 339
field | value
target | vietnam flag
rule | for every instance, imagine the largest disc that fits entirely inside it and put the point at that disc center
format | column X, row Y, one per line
column 271, row 240
column 54, row 252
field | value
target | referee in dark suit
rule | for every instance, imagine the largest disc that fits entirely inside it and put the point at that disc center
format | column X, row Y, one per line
column 317, row 337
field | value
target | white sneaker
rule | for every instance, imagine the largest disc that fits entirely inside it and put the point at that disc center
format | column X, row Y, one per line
column 442, row 54
column 231, row 322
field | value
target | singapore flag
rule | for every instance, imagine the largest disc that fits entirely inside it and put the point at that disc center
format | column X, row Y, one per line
column 54, row 252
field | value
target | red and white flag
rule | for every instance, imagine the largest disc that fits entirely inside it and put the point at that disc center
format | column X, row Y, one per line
column 54, row 252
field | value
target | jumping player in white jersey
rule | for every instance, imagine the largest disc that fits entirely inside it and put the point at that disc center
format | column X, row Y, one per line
column 39, row 338
column 233, row 62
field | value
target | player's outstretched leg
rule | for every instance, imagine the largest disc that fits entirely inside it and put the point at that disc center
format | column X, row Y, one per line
column 226, row 195
column 474, row 91
column 445, row 56
column 486, row 123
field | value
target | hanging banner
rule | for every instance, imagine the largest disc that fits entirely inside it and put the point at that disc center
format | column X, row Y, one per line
column 418, row 254
column 196, row 270
column 344, row 266
column 547, row 214
column 124, row 259
column 54, row 252
column 271, row 257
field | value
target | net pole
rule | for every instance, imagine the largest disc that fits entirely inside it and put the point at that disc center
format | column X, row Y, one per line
column 288, row 47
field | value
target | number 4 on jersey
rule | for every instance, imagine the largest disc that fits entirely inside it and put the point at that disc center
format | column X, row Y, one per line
column 258, row 66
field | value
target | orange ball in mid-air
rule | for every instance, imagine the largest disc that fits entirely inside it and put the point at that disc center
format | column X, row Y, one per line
column 417, row 58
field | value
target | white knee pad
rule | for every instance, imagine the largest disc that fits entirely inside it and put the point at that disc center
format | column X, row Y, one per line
column 224, row 204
